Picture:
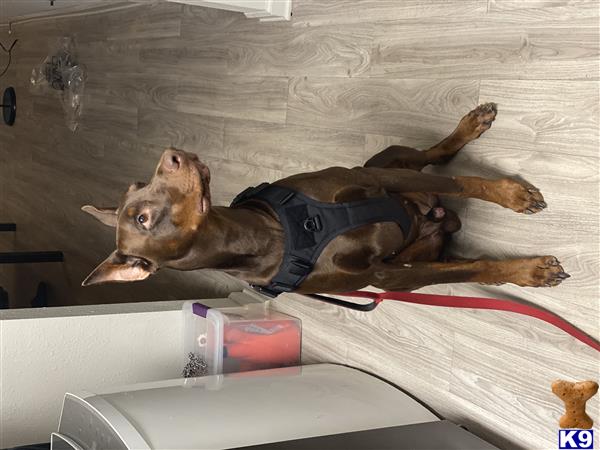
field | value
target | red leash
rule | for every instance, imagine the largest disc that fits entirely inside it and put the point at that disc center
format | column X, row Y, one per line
column 464, row 302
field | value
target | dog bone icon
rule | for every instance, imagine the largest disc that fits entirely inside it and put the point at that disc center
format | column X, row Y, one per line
column 575, row 395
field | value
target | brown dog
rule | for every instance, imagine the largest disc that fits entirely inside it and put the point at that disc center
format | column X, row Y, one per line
column 170, row 223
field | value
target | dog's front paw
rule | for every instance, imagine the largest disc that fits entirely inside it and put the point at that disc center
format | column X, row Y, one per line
column 478, row 121
column 544, row 271
column 520, row 196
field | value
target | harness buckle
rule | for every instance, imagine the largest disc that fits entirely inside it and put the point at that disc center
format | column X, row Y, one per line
column 300, row 267
column 273, row 290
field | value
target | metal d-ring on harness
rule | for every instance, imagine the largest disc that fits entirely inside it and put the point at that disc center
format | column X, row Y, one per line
column 309, row 225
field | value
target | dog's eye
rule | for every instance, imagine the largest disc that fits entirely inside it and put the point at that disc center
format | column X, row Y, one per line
column 142, row 219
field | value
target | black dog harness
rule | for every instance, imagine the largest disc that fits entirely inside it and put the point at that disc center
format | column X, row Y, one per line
column 309, row 225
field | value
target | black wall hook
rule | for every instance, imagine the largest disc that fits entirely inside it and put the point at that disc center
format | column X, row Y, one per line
column 9, row 106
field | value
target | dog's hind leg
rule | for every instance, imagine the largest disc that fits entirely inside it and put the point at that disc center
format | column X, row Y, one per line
column 399, row 157
column 543, row 271
column 471, row 126
column 519, row 196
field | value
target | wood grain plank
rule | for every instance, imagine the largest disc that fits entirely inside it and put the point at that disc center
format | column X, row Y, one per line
column 390, row 107
column 279, row 49
column 323, row 51
column 35, row 39
column 542, row 11
column 115, row 57
column 143, row 90
column 328, row 12
column 309, row 51
column 175, row 56
column 153, row 21
column 291, row 149
column 191, row 132
column 256, row 98
column 542, row 6
column 491, row 48
column 198, row 20
column 545, row 116
column 121, row 120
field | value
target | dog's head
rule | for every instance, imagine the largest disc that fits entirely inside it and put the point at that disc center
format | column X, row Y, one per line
column 156, row 223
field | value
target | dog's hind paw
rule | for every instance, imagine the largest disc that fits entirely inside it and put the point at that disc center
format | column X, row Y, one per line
column 478, row 121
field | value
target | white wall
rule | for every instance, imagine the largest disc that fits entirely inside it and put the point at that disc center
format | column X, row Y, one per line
column 46, row 352
column 14, row 10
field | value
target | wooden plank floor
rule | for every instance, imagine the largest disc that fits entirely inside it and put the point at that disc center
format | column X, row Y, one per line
column 341, row 81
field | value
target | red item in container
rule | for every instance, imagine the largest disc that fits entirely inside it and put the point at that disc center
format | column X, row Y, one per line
column 270, row 344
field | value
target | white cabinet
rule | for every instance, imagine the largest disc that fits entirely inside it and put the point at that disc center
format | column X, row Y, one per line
column 263, row 9
column 16, row 10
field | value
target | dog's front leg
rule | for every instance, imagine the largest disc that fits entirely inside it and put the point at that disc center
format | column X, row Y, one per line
column 518, row 196
column 534, row 272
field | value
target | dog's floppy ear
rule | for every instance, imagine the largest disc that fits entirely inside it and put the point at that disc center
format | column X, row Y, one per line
column 120, row 268
column 108, row 216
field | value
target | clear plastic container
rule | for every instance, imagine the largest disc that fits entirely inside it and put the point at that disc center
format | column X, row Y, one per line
column 240, row 339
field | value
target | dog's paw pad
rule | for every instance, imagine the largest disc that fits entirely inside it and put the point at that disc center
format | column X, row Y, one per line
column 486, row 109
column 479, row 120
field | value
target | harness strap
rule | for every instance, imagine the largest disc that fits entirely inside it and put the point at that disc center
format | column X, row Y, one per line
column 451, row 301
column 309, row 225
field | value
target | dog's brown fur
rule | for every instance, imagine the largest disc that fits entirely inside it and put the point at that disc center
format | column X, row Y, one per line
column 170, row 223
